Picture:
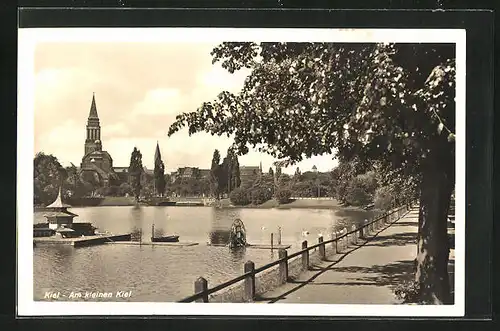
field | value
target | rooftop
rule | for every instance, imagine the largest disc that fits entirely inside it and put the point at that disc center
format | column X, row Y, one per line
column 58, row 202
column 59, row 214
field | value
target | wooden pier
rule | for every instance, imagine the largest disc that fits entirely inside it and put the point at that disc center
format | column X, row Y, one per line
column 81, row 241
column 137, row 243
column 267, row 246
column 256, row 246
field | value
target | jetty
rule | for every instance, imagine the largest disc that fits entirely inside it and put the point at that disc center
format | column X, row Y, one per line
column 138, row 243
column 265, row 246
column 61, row 230
column 255, row 246
column 81, row 241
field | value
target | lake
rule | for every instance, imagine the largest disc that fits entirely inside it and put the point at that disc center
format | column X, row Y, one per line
column 155, row 273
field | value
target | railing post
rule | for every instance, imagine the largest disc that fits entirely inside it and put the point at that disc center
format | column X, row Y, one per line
column 354, row 234
column 345, row 240
column 272, row 241
column 336, row 242
column 283, row 266
column 305, row 256
column 201, row 286
column 322, row 252
column 250, row 281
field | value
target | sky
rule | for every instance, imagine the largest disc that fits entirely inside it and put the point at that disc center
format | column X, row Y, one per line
column 139, row 89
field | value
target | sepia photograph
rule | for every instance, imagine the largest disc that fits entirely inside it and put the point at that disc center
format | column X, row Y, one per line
column 317, row 171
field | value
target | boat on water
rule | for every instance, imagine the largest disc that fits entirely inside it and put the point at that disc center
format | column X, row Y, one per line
column 154, row 239
column 169, row 239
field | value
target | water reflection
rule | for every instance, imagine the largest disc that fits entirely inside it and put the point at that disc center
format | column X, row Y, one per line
column 221, row 221
column 136, row 214
column 219, row 237
column 237, row 254
column 136, row 234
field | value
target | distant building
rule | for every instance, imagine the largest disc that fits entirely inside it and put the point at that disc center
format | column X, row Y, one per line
column 249, row 174
column 122, row 173
column 95, row 160
column 205, row 173
column 189, row 173
column 148, row 171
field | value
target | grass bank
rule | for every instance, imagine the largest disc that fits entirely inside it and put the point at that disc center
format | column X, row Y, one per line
column 118, row 201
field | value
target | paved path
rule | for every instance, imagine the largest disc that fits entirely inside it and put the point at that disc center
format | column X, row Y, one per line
column 365, row 273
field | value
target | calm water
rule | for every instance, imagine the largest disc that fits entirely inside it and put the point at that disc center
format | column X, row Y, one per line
column 156, row 273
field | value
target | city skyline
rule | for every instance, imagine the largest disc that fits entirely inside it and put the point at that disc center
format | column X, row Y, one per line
column 136, row 100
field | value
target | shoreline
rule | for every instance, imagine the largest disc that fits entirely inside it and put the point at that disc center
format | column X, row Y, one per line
column 328, row 204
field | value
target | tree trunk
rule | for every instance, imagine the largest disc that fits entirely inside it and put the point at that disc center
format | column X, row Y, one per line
column 433, row 245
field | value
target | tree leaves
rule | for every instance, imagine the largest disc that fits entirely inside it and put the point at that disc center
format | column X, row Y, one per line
column 305, row 99
column 48, row 176
column 135, row 172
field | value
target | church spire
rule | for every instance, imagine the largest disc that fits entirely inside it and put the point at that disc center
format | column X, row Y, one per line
column 93, row 141
column 93, row 108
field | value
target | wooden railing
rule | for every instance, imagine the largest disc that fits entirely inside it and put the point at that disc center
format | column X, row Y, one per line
column 342, row 238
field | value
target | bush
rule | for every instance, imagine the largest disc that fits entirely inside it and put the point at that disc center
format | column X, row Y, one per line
column 124, row 189
column 361, row 189
column 260, row 195
column 239, row 197
column 408, row 292
column 283, row 195
column 383, row 198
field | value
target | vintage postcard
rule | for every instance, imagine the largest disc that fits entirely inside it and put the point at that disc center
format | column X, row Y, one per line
column 317, row 171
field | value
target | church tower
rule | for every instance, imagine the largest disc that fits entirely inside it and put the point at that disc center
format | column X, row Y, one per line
column 93, row 140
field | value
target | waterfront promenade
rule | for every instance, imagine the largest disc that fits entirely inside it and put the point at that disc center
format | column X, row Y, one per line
column 366, row 272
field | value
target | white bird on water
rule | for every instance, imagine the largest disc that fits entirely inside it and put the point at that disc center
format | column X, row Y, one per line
column 305, row 233
column 263, row 228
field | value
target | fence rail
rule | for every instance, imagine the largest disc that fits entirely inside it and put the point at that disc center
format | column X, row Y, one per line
column 202, row 291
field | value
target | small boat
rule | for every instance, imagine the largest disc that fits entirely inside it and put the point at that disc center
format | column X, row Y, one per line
column 171, row 238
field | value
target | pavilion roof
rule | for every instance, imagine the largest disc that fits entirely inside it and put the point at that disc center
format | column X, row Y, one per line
column 58, row 202
column 59, row 214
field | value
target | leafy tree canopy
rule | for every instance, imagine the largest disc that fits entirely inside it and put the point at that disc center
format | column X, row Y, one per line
column 305, row 99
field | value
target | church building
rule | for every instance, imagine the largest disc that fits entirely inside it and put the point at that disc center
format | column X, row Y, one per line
column 96, row 161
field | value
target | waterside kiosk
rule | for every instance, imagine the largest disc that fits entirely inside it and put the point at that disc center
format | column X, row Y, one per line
column 60, row 222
